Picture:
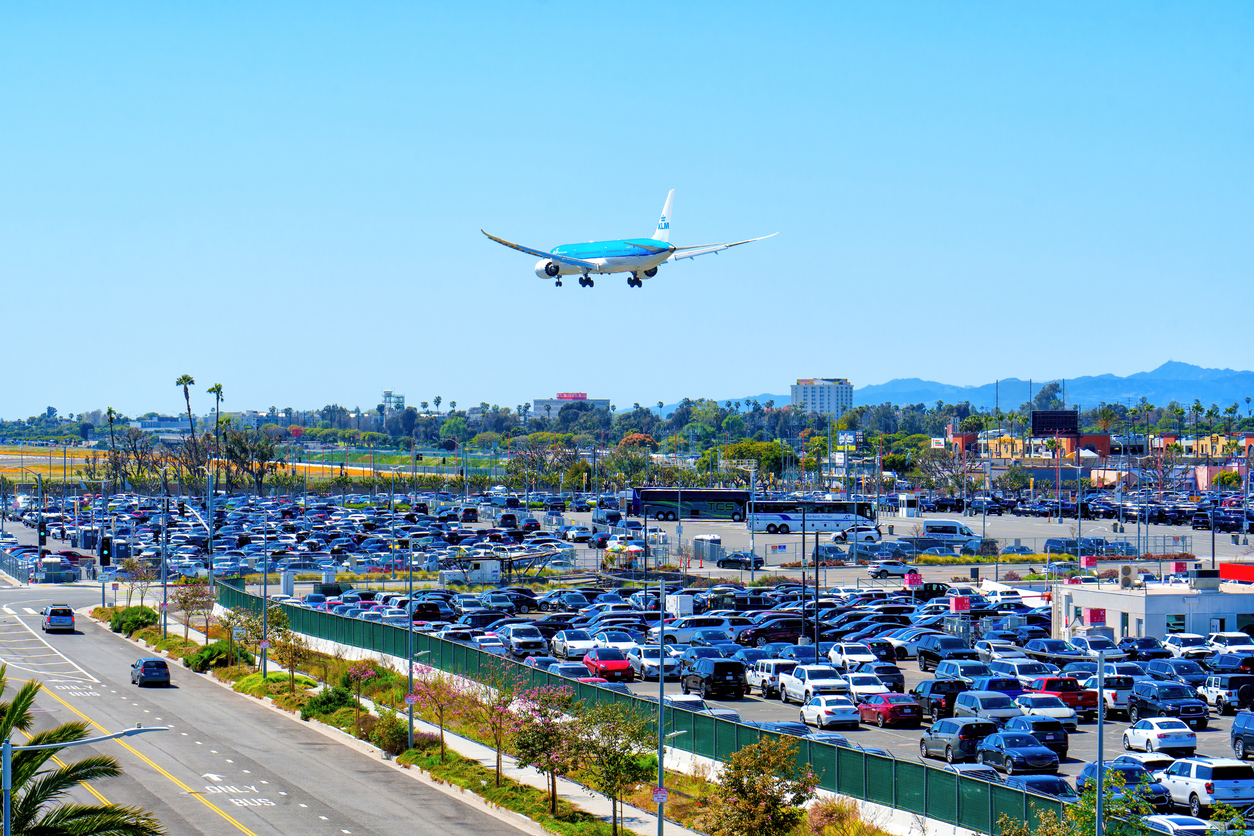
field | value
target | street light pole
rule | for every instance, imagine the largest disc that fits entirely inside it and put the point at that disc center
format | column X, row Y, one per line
column 6, row 758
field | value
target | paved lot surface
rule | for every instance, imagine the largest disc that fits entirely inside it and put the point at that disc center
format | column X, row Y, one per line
column 230, row 765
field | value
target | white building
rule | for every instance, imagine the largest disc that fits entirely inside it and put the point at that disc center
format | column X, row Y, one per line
column 824, row 395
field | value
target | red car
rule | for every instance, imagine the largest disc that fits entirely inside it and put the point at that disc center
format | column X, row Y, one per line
column 1067, row 689
column 890, row 709
column 609, row 663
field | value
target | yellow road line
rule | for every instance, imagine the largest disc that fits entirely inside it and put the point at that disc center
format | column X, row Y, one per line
column 193, row 793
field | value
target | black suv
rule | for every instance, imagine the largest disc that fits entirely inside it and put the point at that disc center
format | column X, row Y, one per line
column 1185, row 671
column 710, row 677
column 1242, row 734
column 1143, row 649
column 1167, row 699
column 933, row 649
column 935, row 697
column 989, row 506
column 1231, row 663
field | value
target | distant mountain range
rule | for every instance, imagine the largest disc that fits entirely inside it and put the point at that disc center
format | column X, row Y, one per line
column 1171, row 381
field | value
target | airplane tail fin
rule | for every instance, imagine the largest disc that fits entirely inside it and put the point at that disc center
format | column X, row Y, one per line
column 663, row 231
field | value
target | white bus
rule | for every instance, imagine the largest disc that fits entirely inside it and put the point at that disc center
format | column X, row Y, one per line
column 785, row 516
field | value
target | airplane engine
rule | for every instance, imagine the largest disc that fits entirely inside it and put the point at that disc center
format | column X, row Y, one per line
column 546, row 269
column 651, row 272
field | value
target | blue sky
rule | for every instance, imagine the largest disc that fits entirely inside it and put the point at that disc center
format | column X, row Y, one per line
column 286, row 197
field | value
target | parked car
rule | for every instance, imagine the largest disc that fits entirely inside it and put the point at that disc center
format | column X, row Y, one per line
column 1143, row 648
column 1199, row 783
column 806, row 681
column 827, row 712
column 609, row 663
column 967, row 670
column 711, row 677
column 1228, row 692
column 1241, row 735
column 1158, row 734
column 764, row 675
column 1136, row 779
column 1050, row 785
column 1016, row 752
column 989, row 705
column 1113, row 695
column 1047, row 730
column 650, row 660
column 1067, row 689
column 890, row 709
column 741, row 560
column 956, row 738
column 935, row 648
column 935, row 697
column 1167, row 699
column 571, row 644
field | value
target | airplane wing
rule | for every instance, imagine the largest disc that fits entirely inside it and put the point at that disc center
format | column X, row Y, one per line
column 706, row 249
column 563, row 259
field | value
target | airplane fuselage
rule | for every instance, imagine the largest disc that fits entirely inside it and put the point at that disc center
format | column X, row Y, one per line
column 622, row 256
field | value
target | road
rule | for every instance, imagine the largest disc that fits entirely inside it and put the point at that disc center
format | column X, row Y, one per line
column 229, row 765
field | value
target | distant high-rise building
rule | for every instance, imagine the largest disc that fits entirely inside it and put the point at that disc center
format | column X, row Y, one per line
column 824, row 395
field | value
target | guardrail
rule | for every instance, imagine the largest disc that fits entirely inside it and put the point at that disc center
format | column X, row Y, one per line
column 920, row 788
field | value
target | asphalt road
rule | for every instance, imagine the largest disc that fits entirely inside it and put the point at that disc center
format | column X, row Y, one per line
column 229, row 765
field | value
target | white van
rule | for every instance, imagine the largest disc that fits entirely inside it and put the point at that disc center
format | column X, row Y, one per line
column 949, row 532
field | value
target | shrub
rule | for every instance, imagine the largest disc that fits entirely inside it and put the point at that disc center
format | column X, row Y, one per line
column 328, row 701
column 132, row 619
column 390, row 733
column 1012, row 575
column 215, row 656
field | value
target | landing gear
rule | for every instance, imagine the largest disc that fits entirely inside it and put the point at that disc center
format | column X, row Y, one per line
column 633, row 281
column 586, row 282
column 557, row 283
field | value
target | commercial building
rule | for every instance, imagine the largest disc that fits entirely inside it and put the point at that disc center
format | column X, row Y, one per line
column 549, row 407
column 1204, row 605
column 824, row 395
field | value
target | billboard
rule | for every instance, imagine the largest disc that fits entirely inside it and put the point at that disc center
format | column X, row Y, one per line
column 938, row 444
column 914, row 580
column 1047, row 422
column 1088, row 561
column 1094, row 616
column 572, row 396
column 959, row 603
column 846, row 438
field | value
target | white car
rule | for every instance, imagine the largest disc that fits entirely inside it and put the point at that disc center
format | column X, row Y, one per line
column 1114, row 693
column 1230, row 643
column 863, row 685
column 1048, row 705
column 990, row 650
column 1091, row 646
column 889, row 569
column 849, row 655
column 860, row 533
column 1186, row 645
column 1180, row 826
column 806, row 681
column 1154, row 734
column 1198, row 783
column 614, row 638
column 905, row 643
column 828, row 712
column 571, row 644
column 1152, row 761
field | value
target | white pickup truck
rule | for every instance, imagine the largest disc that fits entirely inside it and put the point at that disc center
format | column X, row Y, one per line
column 1114, row 693
column 806, row 681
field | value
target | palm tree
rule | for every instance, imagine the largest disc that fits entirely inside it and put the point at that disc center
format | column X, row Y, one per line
column 38, row 804
column 216, row 391
column 187, row 381
column 437, row 403
column 424, row 405
column 111, row 416
column 452, row 406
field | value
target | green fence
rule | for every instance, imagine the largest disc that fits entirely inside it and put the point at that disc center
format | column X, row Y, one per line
column 931, row 791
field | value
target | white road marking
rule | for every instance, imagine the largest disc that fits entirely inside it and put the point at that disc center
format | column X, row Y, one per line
column 9, row 611
column 29, row 611
column 306, row 806
column 86, row 677
column 324, row 818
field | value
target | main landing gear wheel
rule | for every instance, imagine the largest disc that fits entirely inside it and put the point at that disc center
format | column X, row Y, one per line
column 557, row 283
column 634, row 282
column 585, row 282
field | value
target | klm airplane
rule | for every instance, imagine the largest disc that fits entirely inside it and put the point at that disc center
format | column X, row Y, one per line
column 638, row 256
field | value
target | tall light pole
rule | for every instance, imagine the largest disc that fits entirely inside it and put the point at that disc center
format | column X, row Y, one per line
column 6, row 758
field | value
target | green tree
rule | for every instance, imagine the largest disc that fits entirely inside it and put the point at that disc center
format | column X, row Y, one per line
column 610, row 743
column 761, row 790
column 38, row 805
column 187, row 381
column 542, row 738
column 252, row 452
column 455, row 428
column 489, row 706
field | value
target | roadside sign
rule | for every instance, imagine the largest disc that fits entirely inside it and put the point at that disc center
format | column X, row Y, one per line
column 1179, row 566
column 1088, row 561
column 237, row 633
column 411, row 699
column 914, row 580
column 1094, row 616
column 163, row 606
column 960, row 603
column 846, row 438
column 264, row 644
column 660, row 794
column 115, row 586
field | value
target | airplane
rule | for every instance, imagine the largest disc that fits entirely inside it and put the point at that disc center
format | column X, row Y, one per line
column 638, row 256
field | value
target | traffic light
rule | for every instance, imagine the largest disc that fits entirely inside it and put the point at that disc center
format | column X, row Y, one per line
column 43, row 533
column 106, row 550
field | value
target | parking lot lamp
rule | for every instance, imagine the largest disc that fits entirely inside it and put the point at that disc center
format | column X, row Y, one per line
column 1101, row 723
column 7, row 749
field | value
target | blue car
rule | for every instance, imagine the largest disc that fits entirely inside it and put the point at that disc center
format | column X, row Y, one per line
column 1008, row 685
column 150, row 671
column 1013, row 752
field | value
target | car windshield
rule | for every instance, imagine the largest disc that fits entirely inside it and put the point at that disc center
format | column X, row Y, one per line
column 996, row 702
column 526, row 633
column 1045, row 702
column 649, row 652
column 1020, row 740
column 898, row 699
column 949, row 643
column 1032, row 668
column 1101, row 643
column 1178, row 692
column 616, row 636
column 610, row 654
column 1171, row 725
column 1119, row 683
column 1145, row 643
column 1132, row 775
column 576, row 636
column 822, row 673
column 1185, row 666
column 864, row 680
column 1190, row 641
